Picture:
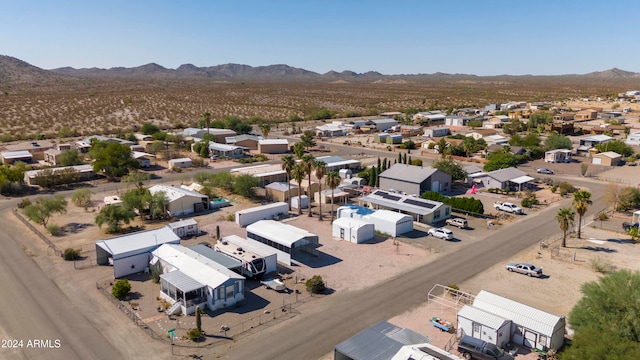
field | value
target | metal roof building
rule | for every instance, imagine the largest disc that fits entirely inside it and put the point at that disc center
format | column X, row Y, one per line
column 289, row 241
column 412, row 179
column 421, row 210
column 381, row 341
column 9, row 157
column 182, row 201
column 131, row 253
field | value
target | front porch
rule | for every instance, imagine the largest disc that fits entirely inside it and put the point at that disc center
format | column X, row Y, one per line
column 176, row 286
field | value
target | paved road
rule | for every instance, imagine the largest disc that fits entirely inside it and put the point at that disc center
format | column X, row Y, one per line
column 32, row 307
column 336, row 318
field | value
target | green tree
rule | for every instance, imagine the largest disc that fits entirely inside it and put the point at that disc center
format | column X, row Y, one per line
column 114, row 216
column 442, row 147
column 136, row 199
column 265, row 129
column 245, row 185
column 307, row 139
column 121, row 289
column 617, row 146
column 449, row 166
column 315, row 285
column 320, row 171
column 604, row 319
column 158, row 203
column 223, row 180
column 206, row 117
column 565, row 219
column 136, row 178
column 149, row 128
column 307, row 162
column 298, row 174
column 298, row 149
column 557, row 141
column 581, row 202
column 530, row 141
column 333, row 181
column 69, row 158
column 629, row 198
column 202, row 148
column 82, row 197
column 112, row 159
column 44, row 207
column 321, row 114
column 500, row 159
column 288, row 162
column 539, row 118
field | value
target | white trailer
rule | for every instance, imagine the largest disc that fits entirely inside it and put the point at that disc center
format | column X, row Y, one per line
column 257, row 259
column 265, row 212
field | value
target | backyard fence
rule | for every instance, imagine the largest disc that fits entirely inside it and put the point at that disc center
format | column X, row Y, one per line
column 39, row 234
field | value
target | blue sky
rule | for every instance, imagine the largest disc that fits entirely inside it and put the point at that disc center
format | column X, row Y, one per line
column 393, row 37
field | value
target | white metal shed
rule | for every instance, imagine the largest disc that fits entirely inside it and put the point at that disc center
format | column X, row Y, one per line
column 484, row 325
column 354, row 230
column 265, row 212
column 391, row 222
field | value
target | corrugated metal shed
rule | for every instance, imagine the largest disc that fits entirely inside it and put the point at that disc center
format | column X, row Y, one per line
column 521, row 314
column 408, row 173
column 379, row 342
column 181, row 281
column 481, row 316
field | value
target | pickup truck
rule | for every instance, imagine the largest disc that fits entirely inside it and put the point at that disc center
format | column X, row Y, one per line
column 507, row 207
column 457, row 222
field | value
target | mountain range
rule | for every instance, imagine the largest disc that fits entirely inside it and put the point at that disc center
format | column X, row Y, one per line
column 15, row 71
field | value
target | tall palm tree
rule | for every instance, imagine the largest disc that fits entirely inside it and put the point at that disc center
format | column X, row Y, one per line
column 288, row 162
column 581, row 202
column 332, row 181
column 298, row 174
column 207, row 119
column 565, row 219
column 265, row 129
column 307, row 164
column 321, row 169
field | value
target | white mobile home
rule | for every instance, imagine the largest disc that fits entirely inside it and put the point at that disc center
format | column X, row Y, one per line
column 190, row 279
column 265, row 212
column 558, row 156
column 131, row 253
column 181, row 163
column 385, row 221
column 289, row 241
column 184, row 228
column 354, row 230
column 633, row 139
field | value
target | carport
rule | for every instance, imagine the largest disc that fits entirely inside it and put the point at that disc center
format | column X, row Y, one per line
column 520, row 180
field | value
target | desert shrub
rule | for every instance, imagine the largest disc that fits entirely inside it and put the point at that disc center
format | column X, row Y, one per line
column 602, row 216
column 416, row 162
column 81, row 197
column 601, row 265
column 231, row 217
column 24, row 203
column 198, row 163
column 54, row 230
column 71, row 254
column 194, row 334
column 315, row 285
column 554, row 188
column 121, row 289
column 566, row 188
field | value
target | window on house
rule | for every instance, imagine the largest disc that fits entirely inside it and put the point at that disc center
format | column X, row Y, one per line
column 436, row 214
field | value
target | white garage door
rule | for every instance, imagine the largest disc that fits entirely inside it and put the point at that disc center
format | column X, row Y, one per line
column 597, row 161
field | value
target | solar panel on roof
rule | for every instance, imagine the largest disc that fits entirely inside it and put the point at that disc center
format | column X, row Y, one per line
column 419, row 203
column 380, row 193
column 391, row 197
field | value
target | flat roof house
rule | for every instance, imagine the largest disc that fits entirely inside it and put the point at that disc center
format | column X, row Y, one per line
column 633, row 139
column 35, row 148
column 337, row 163
column 501, row 179
column 266, row 173
column 244, row 140
column 273, row 146
column 383, row 124
column 131, row 253
column 190, row 279
column 607, row 158
column 588, row 142
column 85, row 172
column 289, row 241
column 182, row 201
column 10, row 157
column 412, row 179
column 226, row 151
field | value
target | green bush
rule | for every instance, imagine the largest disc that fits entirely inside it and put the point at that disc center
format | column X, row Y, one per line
column 231, row 217
column 121, row 289
column 71, row 254
column 24, row 203
column 195, row 334
column 315, row 285
column 459, row 203
column 566, row 188
column 601, row 265
column 54, row 230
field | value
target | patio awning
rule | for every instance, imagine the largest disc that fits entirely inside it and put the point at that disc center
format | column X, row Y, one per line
column 522, row 179
column 181, row 281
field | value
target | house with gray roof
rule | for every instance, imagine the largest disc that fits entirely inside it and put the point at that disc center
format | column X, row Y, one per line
column 412, row 179
column 381, row 341
column 502, row 179
column 383, row 124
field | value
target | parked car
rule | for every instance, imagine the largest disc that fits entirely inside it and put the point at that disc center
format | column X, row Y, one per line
column 545, row 171
column 507, row 207
column 473, row 348
column 525, row 268
column 457, row 222
column 441, row 233
column 628, row 226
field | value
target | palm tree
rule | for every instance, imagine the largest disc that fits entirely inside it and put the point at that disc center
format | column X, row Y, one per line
column 288, row 162
column 332, row 181
column 565, row 219
column 207, row 119
column 298, row 174
column 307, row 164
column 581, row 201
column 265, row 129
column 321, row 169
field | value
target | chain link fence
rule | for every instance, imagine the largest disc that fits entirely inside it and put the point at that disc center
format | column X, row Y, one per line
column 37, row 232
